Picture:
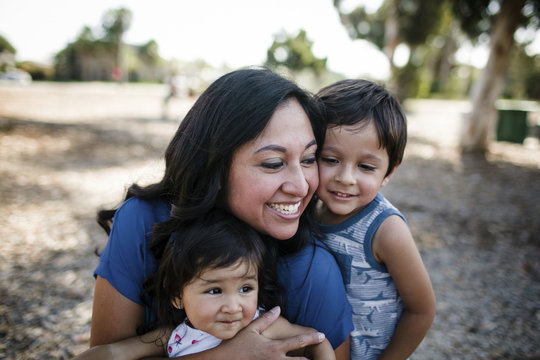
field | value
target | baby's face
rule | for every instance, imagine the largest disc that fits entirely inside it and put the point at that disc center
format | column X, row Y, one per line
column 222, row 301
column 352, row 170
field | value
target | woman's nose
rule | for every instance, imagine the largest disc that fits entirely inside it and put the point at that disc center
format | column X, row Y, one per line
column 296, row 182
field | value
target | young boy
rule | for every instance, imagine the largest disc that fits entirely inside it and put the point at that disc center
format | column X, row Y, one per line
column 386, row 281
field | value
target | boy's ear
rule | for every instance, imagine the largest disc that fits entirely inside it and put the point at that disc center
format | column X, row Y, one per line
column 177, row 303
column 389, row 176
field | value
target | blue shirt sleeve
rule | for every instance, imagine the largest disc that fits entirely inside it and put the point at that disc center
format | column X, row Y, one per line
column 126, row 260
column 314, row 293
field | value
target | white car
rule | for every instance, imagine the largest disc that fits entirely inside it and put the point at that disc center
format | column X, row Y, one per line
column 16, row 75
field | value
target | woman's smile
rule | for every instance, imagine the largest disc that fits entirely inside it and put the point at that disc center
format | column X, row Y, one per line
column 272, row 198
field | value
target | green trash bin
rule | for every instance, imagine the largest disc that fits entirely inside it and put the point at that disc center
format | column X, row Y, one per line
column 512, row 125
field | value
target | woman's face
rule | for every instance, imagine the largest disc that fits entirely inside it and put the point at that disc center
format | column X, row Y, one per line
column 273, row 177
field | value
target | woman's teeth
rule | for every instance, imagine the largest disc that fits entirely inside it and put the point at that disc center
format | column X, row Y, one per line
column 286, row 209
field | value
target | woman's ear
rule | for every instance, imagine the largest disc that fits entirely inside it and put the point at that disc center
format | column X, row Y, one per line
column 177, row 303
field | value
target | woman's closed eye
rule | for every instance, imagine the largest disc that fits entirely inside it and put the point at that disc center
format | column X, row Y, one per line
column 310, row 160
column 272, row 165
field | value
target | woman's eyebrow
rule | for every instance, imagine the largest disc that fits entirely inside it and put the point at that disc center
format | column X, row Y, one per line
column 311, row 143
column 281, row 148
column 271, row 148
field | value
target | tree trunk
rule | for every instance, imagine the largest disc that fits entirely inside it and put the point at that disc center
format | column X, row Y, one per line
column 479, row 126
column 391, row 36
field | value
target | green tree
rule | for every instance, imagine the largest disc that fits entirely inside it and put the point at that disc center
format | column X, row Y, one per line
column 294, row 53
column 6, row 46
column 498, row 19
column 115, row 23
column 149, row 52
column 69, row 62
column 408, row 22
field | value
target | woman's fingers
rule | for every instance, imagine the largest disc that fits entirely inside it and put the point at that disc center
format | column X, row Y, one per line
column 251, row 344
column 263, row 322
column 301, row 341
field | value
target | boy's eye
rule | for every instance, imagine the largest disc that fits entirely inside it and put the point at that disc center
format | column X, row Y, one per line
column 246, row 289
column 366, row 167
column 329, row 160
column 214, row 291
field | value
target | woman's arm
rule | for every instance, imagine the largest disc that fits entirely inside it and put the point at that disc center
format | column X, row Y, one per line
column 150, row 344
column 393, row 245
column 114, row 317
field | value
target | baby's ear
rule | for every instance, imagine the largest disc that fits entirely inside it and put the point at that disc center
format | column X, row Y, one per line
column 177, row 303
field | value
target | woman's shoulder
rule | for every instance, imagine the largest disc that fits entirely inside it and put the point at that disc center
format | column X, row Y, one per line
column 136, row 217
column 315, row 251
column 155, row 210
column 313, row 260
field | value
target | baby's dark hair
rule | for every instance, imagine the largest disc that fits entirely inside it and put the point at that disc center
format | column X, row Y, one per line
column 214, row 241
column 357, row 102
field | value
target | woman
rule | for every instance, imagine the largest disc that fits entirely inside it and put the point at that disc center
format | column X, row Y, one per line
column 249, row 145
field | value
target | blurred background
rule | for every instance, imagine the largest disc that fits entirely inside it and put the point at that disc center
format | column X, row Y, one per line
column 91, row 93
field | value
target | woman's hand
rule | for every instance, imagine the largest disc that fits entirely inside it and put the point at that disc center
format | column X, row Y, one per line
column 250, row 344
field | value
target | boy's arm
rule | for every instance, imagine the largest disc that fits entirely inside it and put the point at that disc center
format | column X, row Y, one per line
column 394, row 246
column 282, row 328
column 138, row 347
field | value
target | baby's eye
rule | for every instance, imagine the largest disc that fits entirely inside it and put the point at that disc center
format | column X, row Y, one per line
column 272, row 165
column 214, row 291
column 246, row 289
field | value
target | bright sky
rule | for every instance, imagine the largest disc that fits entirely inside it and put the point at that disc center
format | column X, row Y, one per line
column 235, row 32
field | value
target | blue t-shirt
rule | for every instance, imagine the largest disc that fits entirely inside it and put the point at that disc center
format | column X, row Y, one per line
column 315, row 294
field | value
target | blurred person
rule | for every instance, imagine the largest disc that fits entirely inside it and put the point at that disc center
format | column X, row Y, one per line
column 212, row 282
column 248, row 145
column 385, row 278
column 173, row 91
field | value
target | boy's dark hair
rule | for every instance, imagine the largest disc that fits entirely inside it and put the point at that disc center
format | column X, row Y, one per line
column 216, row 240
column 356, row 102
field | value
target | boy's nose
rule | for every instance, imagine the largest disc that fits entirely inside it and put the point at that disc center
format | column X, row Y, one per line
column 346, row 176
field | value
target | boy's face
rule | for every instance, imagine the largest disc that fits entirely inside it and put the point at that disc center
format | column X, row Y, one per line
column 221, row 301
column 352, row 170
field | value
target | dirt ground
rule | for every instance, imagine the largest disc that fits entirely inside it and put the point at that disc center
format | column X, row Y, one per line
column 68, row 149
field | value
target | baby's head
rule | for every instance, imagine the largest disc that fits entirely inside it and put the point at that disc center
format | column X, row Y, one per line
column 355, row 103
column 213, row 272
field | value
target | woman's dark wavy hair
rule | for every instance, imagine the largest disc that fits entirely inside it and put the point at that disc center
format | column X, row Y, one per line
column 216, row 240
column 232, row 111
